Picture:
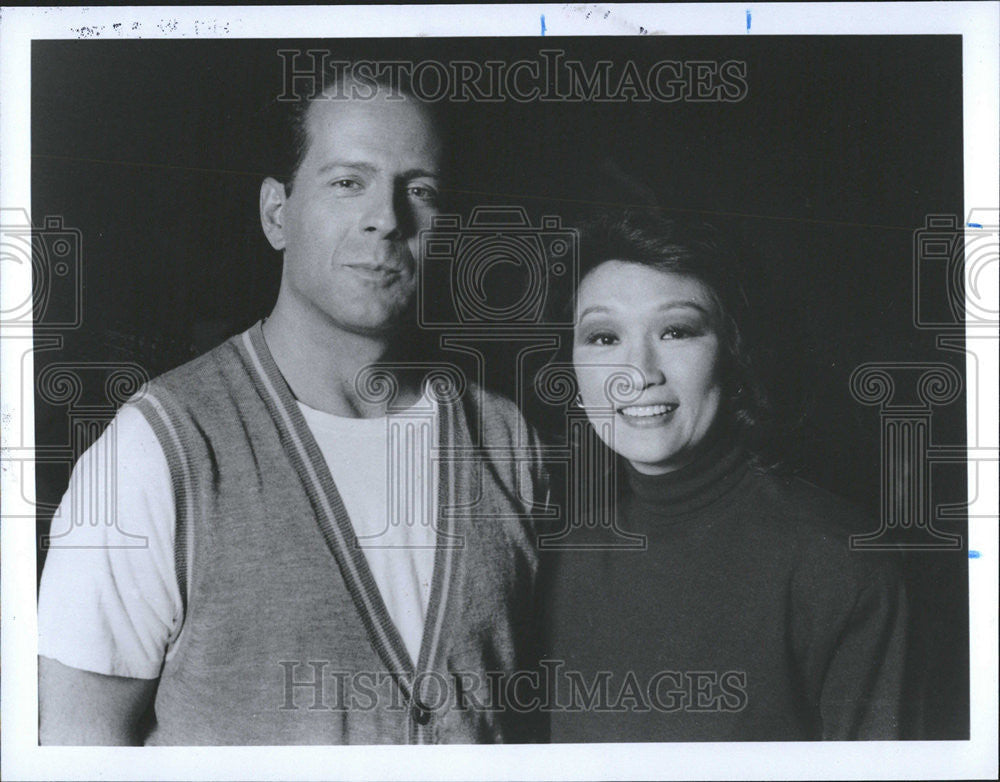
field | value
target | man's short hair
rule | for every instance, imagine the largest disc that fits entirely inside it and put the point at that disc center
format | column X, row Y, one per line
column 288, row 132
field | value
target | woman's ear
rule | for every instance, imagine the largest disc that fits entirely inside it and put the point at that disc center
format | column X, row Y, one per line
column 272, row 204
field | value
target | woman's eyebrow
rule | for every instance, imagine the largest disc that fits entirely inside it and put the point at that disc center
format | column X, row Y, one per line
column 685, row 304
column 592, row 309
column 665, row 306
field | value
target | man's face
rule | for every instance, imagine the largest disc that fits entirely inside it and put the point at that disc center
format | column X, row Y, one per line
column 367, row 186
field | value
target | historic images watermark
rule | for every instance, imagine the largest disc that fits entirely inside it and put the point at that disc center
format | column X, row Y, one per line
column 551, row 77
column 552, row 687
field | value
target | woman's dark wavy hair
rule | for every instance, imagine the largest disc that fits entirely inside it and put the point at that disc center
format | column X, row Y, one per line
column 699, row 251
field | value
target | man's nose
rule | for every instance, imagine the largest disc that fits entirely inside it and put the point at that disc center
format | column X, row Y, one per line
column 387, row 214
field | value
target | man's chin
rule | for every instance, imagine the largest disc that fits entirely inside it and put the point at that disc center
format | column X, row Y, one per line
column 389, row 323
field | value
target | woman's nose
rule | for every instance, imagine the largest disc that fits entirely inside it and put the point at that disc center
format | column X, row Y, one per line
column 646, row 364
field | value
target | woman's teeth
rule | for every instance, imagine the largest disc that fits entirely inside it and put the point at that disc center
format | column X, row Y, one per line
column 646, row 411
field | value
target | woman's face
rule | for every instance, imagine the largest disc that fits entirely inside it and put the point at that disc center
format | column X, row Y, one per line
column 646, row 355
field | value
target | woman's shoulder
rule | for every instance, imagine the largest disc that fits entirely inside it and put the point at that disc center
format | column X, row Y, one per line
column 807, row 504
column 815, row 527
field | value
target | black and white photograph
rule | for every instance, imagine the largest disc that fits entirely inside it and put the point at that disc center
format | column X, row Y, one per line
column 611, row 385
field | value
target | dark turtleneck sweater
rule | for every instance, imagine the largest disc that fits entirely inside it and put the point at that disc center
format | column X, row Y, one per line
column 745, row 617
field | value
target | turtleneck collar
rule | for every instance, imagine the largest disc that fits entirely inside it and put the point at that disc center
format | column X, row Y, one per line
column 716, row 469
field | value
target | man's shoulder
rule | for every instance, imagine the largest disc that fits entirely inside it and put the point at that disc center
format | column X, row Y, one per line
column 501, row 419
column 196, row 401
column 194, row 377
column 493, row 402
column 199, row 366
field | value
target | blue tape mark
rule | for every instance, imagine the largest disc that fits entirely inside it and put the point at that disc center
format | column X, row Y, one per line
column 543, row 24
column 974, row 225
column 974, row 554
column 748, row 20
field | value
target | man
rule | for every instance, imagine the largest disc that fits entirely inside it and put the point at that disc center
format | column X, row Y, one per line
column 281, row 598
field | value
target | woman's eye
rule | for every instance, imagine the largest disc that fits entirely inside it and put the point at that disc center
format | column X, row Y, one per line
column 677, row 332
column 602, row 338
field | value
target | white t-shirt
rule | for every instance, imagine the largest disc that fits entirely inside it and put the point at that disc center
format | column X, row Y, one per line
column 109, row 600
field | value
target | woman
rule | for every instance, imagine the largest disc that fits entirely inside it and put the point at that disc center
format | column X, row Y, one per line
column 742, row 614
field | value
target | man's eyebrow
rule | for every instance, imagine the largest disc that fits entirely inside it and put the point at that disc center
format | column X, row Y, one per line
column 359, row 166
column 369, row 168
column 416, row 173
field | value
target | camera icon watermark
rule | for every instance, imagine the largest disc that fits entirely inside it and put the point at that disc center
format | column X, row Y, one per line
column 498, row 271
column 955, row 271
column 45, row 262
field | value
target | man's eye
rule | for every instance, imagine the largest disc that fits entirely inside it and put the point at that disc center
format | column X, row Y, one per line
column 601, row 338
column 345, row 184
column 423, row 193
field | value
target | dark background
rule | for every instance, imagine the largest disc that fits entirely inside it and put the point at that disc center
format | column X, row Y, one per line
column 843, row 146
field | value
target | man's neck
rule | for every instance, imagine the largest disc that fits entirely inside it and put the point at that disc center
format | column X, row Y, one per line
column 321, row 364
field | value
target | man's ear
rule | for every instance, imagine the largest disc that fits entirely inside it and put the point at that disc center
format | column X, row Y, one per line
column 272, row 203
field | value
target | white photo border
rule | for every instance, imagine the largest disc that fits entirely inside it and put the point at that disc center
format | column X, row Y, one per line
column 976, row 22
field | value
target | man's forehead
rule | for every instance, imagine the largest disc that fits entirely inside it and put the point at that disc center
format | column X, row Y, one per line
column 397, row 126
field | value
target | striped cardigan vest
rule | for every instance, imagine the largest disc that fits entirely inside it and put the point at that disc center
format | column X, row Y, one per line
column 285, row 638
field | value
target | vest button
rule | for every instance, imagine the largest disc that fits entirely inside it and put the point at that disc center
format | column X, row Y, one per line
column 420, row 713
